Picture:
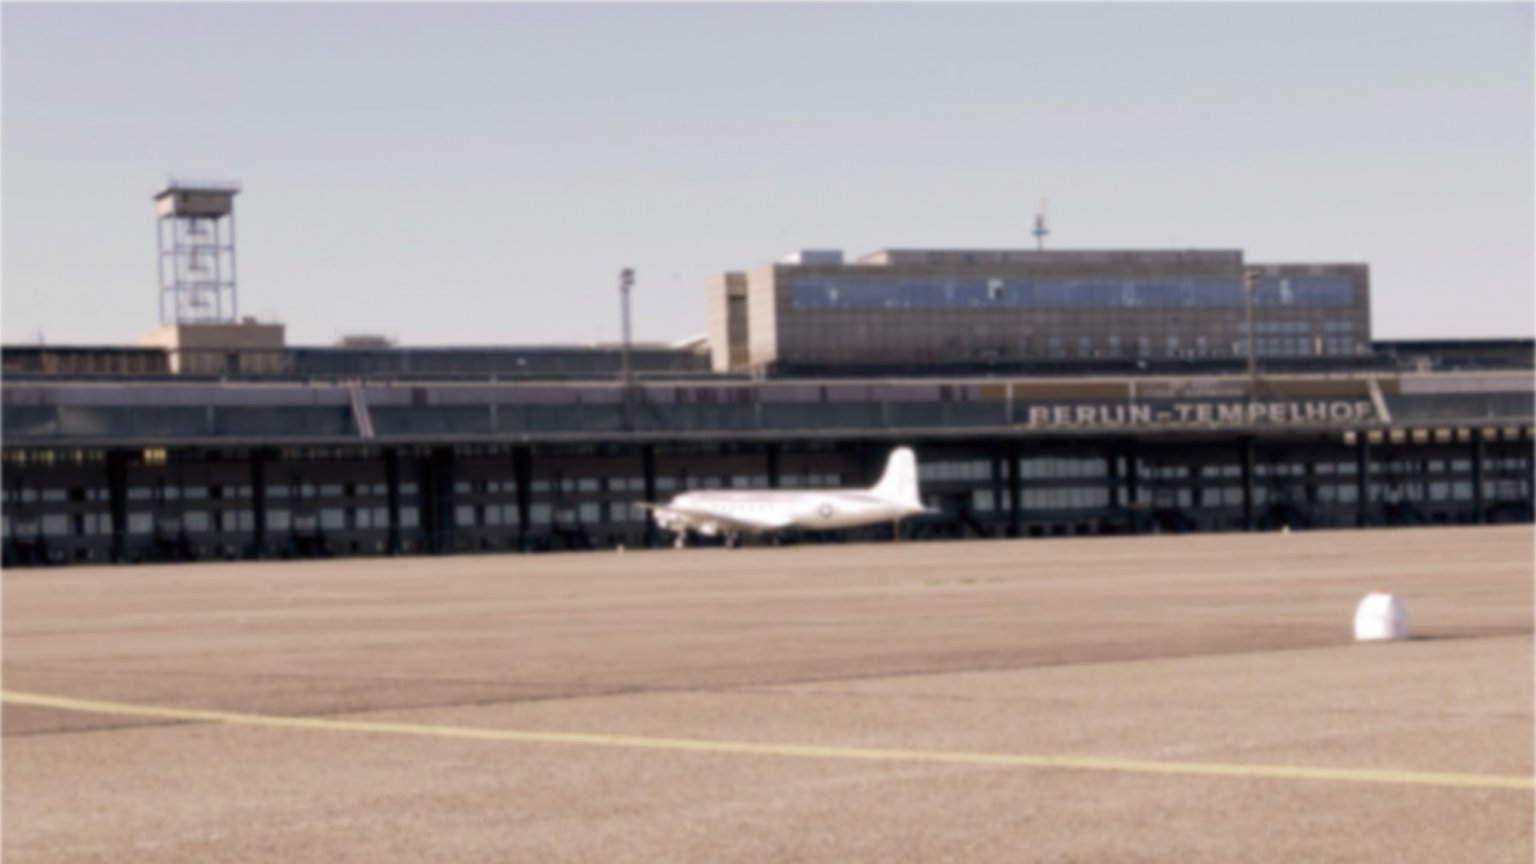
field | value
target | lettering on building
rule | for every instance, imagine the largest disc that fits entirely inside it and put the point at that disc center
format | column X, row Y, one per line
column 1080, row 415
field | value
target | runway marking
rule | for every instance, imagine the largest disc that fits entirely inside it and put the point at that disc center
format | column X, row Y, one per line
column 1022, row 760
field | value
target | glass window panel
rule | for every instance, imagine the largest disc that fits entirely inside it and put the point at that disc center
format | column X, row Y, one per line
column 865, row 293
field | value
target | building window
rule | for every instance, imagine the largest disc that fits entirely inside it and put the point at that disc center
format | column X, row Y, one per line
column 919, row 293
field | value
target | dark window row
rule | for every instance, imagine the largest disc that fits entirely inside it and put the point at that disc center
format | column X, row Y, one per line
column 1079, row 293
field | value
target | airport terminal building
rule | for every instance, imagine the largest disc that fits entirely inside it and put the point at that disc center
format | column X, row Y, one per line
column 966, row 308
column 1046, row 394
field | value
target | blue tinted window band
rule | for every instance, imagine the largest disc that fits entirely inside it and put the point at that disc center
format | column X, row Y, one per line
column 1070, row 293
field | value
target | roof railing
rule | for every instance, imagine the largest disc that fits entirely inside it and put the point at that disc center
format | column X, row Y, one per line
column 175, row 184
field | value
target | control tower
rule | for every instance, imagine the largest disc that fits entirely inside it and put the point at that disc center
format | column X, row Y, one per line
column 196, row 232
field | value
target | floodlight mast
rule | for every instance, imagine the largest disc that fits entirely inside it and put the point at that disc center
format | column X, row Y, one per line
column 626, row 372
column 626, row 282
column 195, row 233
column 1250, row 285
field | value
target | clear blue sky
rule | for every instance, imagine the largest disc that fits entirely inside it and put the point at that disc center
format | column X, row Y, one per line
column 480, row 173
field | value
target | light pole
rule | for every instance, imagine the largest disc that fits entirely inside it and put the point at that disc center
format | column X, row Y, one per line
column 626, row 374
column 626, row 282
column 1250, row 283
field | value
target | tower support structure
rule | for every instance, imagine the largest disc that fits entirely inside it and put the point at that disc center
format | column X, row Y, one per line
column 195, row 232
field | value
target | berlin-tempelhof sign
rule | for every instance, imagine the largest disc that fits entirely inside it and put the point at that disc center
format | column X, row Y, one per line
column 1328, row 412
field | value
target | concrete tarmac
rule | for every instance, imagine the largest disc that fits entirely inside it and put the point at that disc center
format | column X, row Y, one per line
column 1192, row 698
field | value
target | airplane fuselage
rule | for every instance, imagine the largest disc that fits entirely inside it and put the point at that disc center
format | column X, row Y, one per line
column 813, row 511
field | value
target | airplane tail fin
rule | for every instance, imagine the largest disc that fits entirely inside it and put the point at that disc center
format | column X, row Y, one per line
column 899, row 482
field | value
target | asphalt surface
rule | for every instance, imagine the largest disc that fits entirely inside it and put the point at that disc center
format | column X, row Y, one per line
column 1074, row 700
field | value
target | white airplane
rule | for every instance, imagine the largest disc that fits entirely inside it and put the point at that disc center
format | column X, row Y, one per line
column 732, row 513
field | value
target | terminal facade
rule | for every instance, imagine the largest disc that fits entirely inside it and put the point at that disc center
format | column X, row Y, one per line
column 96, row 471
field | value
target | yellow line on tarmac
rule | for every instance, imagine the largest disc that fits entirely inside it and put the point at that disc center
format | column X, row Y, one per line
column 1085, row 763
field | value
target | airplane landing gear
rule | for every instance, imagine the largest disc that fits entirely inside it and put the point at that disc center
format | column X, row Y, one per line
column 681, row 541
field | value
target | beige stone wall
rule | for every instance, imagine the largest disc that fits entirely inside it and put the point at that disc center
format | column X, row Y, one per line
column 727, row 322
column 215, row 349
column 763, row 303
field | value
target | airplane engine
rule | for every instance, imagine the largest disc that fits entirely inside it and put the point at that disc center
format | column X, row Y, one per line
column 668, row 520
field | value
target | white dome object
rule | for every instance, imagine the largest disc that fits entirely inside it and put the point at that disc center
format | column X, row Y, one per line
column 1380, row 617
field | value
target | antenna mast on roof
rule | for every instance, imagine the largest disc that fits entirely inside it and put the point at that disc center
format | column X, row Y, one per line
column 1040, row 228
